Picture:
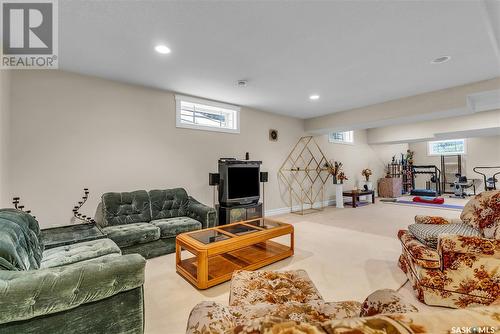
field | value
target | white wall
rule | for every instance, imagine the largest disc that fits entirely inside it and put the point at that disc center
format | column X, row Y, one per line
column 4, row 136
column 442, row 103
column 449, row 128
column 481, row 151
column 71, row 131
column 359, row 156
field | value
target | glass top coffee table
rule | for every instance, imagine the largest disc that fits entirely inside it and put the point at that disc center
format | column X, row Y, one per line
column 214, row 253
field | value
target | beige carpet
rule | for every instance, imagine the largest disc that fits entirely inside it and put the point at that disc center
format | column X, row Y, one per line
column 348, row 253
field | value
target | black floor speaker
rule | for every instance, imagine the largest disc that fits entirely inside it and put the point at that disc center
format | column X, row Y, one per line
column 213, row 179
column 264, row 176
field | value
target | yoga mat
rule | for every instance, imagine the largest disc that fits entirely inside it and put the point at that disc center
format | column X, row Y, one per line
column 437, row 206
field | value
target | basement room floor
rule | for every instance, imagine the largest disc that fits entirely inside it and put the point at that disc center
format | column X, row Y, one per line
column 348, row 253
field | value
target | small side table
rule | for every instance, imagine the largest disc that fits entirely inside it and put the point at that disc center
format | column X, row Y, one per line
column 354, row 194
column 70, row 234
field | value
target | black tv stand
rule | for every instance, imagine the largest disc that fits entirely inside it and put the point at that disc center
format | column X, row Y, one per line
column 236, row 213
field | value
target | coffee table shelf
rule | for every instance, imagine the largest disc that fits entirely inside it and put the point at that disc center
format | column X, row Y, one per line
column 243, row 245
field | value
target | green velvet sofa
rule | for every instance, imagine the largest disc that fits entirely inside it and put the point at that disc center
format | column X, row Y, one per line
column 147, row 222
column 86, row 287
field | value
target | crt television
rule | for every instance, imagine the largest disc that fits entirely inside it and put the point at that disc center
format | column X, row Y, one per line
column 239, row 182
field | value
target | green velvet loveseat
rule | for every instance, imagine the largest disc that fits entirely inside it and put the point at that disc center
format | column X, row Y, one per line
column 147, row 222
column 86, row 287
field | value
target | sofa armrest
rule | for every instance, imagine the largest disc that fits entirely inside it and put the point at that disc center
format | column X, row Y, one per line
column 210, row 317
column 28, row 294
column 384, row 302
column 436, row 220
column 477, row 246
column 435, row 320
column 468, row 254
column 203, row 213
column 99, row 215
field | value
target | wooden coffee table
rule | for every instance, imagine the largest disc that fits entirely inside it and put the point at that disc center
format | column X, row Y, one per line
column 354, row 194
column 218, row 251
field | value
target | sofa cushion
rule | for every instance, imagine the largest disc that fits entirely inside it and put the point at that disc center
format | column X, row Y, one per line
column 483, row 213
column 125, row 208
column 20, row 245
column 272, row 287
column 428, row 233
column 170, row 227
column 60, row 256
column 168, row 203
column 131, row 234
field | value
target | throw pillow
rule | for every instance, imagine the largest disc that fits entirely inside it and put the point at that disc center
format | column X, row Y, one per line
column 428, row 233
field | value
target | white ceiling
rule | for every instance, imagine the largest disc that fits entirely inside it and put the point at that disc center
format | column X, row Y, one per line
column 350, row 53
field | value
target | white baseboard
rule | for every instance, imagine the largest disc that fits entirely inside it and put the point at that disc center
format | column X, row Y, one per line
column 275, row 212
column 280, row 211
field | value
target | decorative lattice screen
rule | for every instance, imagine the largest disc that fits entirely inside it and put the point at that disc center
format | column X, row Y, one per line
column 305, row 173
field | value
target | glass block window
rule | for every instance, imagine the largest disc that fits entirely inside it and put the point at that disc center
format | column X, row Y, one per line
column 446, row 147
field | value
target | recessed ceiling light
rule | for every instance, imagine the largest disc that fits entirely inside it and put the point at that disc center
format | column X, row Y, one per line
column 163, row 49
column 242, row 83
column 440, row 60
column 314, row 97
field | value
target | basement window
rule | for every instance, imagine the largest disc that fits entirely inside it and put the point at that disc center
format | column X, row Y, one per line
column 344, row 137
column 446, row 147
column 200, row 114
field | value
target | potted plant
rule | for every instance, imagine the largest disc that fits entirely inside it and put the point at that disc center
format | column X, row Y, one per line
column 334, row 168
column 366, row 173
column 409, row 156
column 342, row 177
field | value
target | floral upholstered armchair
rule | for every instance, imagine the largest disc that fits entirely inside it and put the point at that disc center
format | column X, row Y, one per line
column 461, row 271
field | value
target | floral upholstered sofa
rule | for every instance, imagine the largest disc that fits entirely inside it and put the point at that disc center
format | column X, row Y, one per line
column 464, row 270
column 473, row 320
column 288, row 303
column 286, row 295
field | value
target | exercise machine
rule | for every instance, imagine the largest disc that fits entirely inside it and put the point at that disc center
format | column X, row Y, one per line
column 490, row 183
column 450, row 166
column 435, row 178
column 460, row 185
